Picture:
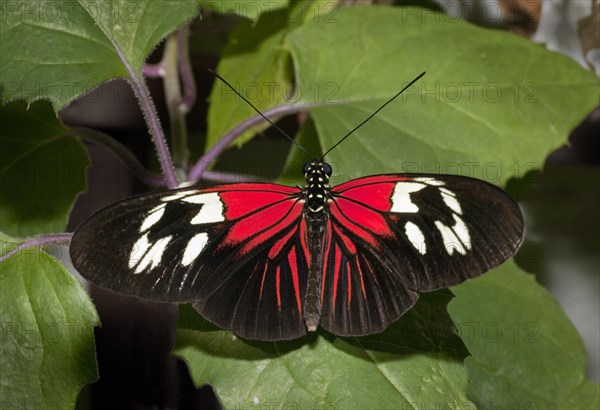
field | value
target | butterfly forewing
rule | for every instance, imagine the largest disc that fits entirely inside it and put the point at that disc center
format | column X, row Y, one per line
column 395, row 235
column 237, row 251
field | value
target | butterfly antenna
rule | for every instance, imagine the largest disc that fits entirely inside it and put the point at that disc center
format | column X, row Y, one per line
column 285, row 134
column 375, row 113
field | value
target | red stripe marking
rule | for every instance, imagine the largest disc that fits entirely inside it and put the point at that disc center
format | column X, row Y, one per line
column 280, row 244
column 363, row 217
column 278, row 286
column 346, row 240
column 271, row 221
column 289, row 219
column 262, row 282
column 336, row 273
column 294, row 267
column 303, row 240
column 242, row 229
column 360, row 275
column 350, row 225
column 326, row 258
column 377, row 196
column 349, row 284
column 375, row 179
column 238, row 204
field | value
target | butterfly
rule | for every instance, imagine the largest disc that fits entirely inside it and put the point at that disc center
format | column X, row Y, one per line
column 272, row 262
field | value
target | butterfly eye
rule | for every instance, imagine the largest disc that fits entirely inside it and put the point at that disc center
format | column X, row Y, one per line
column 327, row 169
column 306, row 168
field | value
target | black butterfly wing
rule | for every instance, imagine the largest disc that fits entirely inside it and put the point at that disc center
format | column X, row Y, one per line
column 391, row 236
column 237, row 252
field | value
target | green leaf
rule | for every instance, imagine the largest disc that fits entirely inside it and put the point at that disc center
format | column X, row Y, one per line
column 47, row 341
column 42, row 171
column 417, row 361
column 525, row 351
column 62, row 50
column 251, row 10
column 491, row 106
column 255, row 65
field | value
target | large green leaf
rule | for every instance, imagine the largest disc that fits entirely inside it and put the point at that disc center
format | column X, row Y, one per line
column 42, row 170
column 491, row 106
column 47, row 345
column 254, row 63
column 526, row 354
column 61, row 50
column 415, row 363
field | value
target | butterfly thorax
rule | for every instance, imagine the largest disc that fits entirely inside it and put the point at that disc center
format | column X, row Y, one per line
column 316, row 194
column 316, row 189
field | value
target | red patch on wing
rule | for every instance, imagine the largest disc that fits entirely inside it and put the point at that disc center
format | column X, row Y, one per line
column 269, row 221
column 278, row 286
column 328, row 241
column 336, row 273
column 262, row 281
column 349, row 283
column 362, row 281
column 294, row 267
column 303, row 240
column 376, row 196
column 238, row 204
column 280, row 244
column 348, row 244
column 358, row 219
column 360, row 182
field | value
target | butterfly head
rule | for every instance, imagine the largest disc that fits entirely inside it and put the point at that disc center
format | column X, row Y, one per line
column 316, row 190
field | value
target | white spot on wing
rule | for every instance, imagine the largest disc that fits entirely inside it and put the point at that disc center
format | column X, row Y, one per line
column 212, row 208
column 450, row 200
column 429, row 181
column 401, row 197
column 193, row 248
column 462, row 231
column 153, row 217
column 456, row 237
column 175, row 197
column 139, row 249
column 255, row 400
column 416, row 237
column 154, row 255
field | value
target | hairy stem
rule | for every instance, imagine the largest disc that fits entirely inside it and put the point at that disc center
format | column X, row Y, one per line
column 57, row 238
column 153, row 70
column 120, row 151
column 174, row 105
column 158, row 137
column 185, row 68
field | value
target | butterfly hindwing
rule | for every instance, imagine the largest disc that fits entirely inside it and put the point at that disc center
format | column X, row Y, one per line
column 395, row 235
column 237, row 251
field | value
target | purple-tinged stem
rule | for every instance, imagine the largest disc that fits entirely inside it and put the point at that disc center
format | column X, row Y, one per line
column 199, row 168
column 185, row 68
column 153, row 70
column 158, row 137
column 57, row 238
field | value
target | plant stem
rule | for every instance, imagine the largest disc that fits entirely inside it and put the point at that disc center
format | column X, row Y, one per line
column 185, row 68
column 174, row 105
column 38, row 241
column 153, row 70
column 200, row 167
column 158, row 137
column 121, row 152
